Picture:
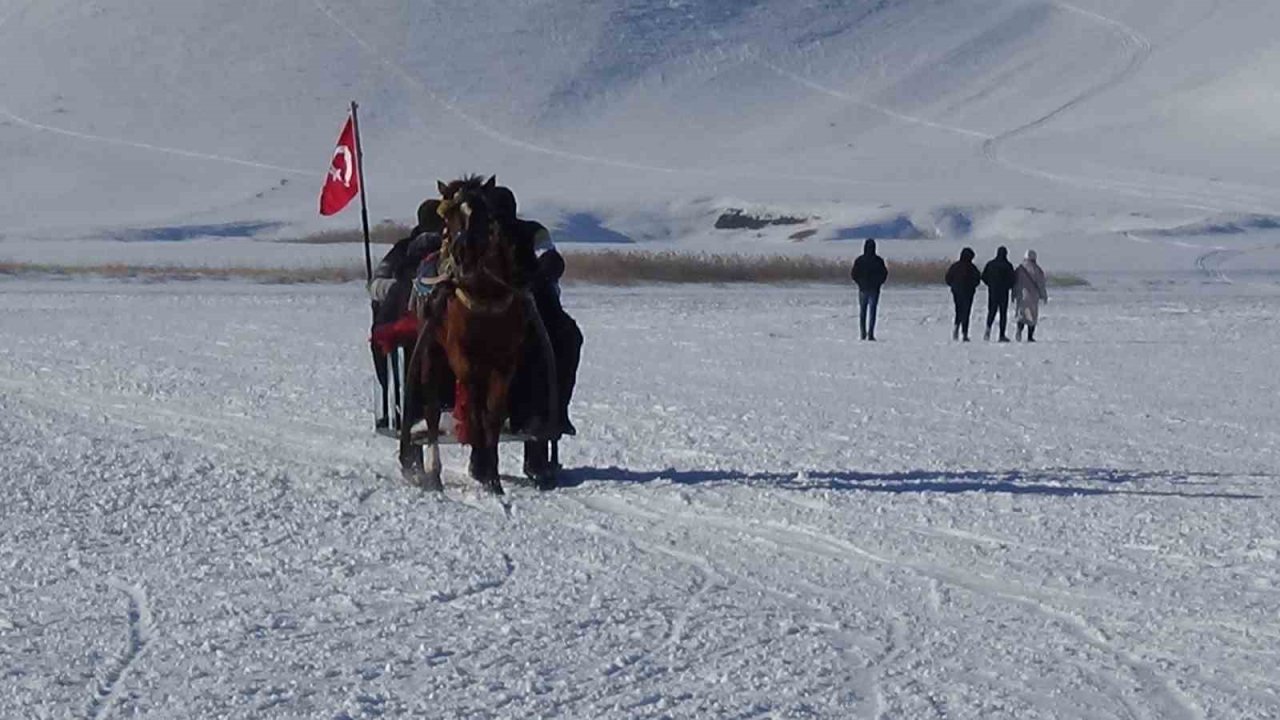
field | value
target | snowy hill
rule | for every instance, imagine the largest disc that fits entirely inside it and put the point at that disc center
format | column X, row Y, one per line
column 980, row 119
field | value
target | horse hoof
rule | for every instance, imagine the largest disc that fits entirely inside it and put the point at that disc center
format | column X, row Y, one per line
column 420, row 478
column 546, row 481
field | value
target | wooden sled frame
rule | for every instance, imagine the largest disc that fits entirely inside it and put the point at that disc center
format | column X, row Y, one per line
column 404, row 373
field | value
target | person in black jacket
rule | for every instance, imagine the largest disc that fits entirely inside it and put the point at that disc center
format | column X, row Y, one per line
column 870, row 273
column 998, row 274
column 392, row 284
column 963, row 278
column 540, row 266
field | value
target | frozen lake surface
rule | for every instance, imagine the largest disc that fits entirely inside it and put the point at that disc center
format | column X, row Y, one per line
column 764, row 517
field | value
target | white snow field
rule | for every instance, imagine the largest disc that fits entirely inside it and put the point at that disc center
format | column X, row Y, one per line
column 763, row 518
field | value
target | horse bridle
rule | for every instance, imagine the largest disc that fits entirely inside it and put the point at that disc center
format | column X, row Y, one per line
column 463, row 278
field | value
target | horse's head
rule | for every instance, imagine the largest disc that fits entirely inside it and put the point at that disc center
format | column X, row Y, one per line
column 472, row 230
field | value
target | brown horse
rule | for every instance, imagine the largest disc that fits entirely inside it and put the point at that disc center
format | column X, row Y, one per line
column 476, row 323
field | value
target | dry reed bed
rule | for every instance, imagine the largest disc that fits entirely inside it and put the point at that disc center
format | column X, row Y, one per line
column 634, row 267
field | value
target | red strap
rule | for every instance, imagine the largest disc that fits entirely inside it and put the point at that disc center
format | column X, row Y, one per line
column 401, row 333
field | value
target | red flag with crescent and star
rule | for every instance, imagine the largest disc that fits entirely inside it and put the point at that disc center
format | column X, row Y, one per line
column 343, row 181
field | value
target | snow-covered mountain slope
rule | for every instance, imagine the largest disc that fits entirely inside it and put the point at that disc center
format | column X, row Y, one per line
column 651, row 115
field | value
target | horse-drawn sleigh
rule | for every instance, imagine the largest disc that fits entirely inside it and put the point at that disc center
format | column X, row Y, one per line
column 475, row 338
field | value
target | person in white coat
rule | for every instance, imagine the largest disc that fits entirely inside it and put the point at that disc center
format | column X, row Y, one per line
column 1029, row 290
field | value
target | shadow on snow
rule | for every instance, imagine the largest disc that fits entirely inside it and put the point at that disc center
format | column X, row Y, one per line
column 1060, row 482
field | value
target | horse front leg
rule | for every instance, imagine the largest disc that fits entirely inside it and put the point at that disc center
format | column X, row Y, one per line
column 422, row 396
column 483, row 438
column 432, row 477
column 410, row 451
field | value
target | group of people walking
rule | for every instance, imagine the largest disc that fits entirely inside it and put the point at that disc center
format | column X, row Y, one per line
column 1025, row 285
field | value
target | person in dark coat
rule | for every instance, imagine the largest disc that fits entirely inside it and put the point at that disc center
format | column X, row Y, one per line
column 392, row 284
column 999, row 277
column 870, row 274
column 540, row 267
column 963, row 278
column 393, row 277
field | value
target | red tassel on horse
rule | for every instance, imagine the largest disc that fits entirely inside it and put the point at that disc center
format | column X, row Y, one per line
column 461, row 407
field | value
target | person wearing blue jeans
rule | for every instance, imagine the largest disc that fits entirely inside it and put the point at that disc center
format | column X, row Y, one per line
column 870, row 274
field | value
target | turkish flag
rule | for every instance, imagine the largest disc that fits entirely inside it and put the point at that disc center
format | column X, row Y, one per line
column 343, row 181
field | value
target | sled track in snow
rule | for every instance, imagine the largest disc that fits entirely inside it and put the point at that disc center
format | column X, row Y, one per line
column 1157, row 693
column 861, row 680
column 141, row 629
column 866, row 681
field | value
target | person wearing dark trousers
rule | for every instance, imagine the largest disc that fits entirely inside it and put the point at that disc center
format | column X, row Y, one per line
column 999, row 277
column 870, row 274
column 541, row 267
column 963, row 278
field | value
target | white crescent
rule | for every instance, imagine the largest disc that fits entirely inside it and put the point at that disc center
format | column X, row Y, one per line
column 343, row 173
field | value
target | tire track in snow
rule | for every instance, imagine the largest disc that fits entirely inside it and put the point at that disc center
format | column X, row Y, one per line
column 1140, row 50
column 1210, row 263
column 141, row 630
column 40, row 127
column 90, row 137
column 861, row 102
column 1260, row 200
column 1211, row 258
column 1157, row 691
column 487, row 130
column 1131, row 38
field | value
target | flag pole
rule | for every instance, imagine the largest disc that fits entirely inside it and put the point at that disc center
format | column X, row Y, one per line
column 364, row 207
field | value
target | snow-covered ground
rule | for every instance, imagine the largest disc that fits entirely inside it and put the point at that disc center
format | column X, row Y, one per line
column 764, row 516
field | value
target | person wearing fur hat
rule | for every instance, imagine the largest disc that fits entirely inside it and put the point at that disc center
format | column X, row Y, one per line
column 1029, row 291
column 963, row 278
